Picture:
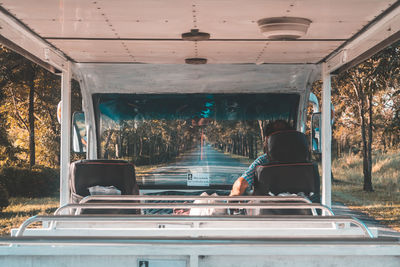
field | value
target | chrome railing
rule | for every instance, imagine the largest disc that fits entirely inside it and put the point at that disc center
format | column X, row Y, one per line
column 194, row 205
column 199, row 219
column 192, row 198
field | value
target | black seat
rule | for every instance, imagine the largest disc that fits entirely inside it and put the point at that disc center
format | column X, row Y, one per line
column 88, row 173
column 288, row 171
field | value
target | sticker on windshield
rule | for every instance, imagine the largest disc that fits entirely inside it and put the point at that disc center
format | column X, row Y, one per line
column 198, row 179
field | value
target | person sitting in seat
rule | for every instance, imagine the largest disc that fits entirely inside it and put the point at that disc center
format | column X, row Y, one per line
column 248, row 177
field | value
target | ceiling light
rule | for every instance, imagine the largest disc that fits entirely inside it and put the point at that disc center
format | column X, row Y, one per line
column 195, row 35
column 284, row 27
column 196, row 61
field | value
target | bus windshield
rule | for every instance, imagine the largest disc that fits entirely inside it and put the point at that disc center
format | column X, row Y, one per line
column 188, row 141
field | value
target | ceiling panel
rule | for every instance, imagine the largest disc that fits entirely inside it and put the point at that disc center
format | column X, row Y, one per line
column 236, row 18
column 126, row 51
column 297, row 52
column 168, row 19
column 78, row 22
column 175, row 52
column 230, row 52
column 94, row 51
column 104, row 19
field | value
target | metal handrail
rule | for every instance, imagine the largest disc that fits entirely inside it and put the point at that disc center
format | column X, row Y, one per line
column 193, row 205
column 190, row 198
column 133, row 218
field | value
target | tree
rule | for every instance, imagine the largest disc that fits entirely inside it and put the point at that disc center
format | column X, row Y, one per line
column 357, row 89
column 6, row 149
column 19, row 74
column 30, row 97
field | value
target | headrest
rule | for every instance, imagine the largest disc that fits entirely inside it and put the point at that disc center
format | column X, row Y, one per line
column 287, row 147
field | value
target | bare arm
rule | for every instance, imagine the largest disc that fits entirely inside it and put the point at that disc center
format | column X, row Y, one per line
column 239, row 187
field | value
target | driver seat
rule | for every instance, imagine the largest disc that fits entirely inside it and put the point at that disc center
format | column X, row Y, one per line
column 289, row 170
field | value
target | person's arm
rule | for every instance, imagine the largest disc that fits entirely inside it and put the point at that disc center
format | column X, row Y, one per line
column 247, row 178
column 239, row 187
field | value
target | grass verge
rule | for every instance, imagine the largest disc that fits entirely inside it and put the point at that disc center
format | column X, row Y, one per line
column 384, row 203
column 21, row 209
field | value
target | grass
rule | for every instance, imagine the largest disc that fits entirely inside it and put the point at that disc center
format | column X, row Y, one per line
column 384, row 203
column 21, row 209
column 241, row 159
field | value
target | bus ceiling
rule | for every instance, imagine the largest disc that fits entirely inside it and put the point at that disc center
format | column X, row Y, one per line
column 340, row 33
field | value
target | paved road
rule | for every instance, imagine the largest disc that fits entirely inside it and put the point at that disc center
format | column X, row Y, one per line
column 198, row 168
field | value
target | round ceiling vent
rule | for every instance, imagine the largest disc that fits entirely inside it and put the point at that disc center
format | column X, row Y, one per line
column 284, row 27
column 195, row 35
column 196, row 61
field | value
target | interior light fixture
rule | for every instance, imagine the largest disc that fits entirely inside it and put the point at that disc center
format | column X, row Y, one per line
column 284, row 27
column 195, row 35
column 196, row 61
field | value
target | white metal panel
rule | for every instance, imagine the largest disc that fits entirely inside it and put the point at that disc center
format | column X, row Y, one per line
column 327, row 137
column 65, row 143
column 17, row 34
column 87, row 18
column 331, row 19
column 148, row 19
column 175, row 52
column 229, row 52
column 375, row 35
column 221, row 78
column 240, row 259
column 297, row 52
column 104, row 51
column 127, row 51
column 60, row 18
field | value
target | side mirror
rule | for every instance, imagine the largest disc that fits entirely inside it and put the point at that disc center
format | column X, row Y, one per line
column 79, row 138
column 316, row 132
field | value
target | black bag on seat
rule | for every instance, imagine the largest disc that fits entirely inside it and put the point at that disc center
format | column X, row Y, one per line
column 88, row 173
column 288, row 170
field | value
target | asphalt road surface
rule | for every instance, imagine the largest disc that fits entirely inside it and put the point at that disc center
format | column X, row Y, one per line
column 198, row 168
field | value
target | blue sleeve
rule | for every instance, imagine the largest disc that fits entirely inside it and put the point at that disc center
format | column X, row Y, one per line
column 250, row 173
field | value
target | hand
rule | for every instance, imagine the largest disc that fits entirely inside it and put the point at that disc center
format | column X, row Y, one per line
column 239, row 186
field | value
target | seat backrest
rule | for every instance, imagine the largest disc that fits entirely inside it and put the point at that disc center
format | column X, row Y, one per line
column 287, row 178
column 288, row 170
column 88, row 173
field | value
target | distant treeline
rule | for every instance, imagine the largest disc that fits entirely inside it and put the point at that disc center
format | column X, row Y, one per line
column 159, row 141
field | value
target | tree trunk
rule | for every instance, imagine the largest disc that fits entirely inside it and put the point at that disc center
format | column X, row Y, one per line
column 31, row 117
column 368, row 179
column 361, row 108
column 261, row 124
column 106, row 148
column 367, row 175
